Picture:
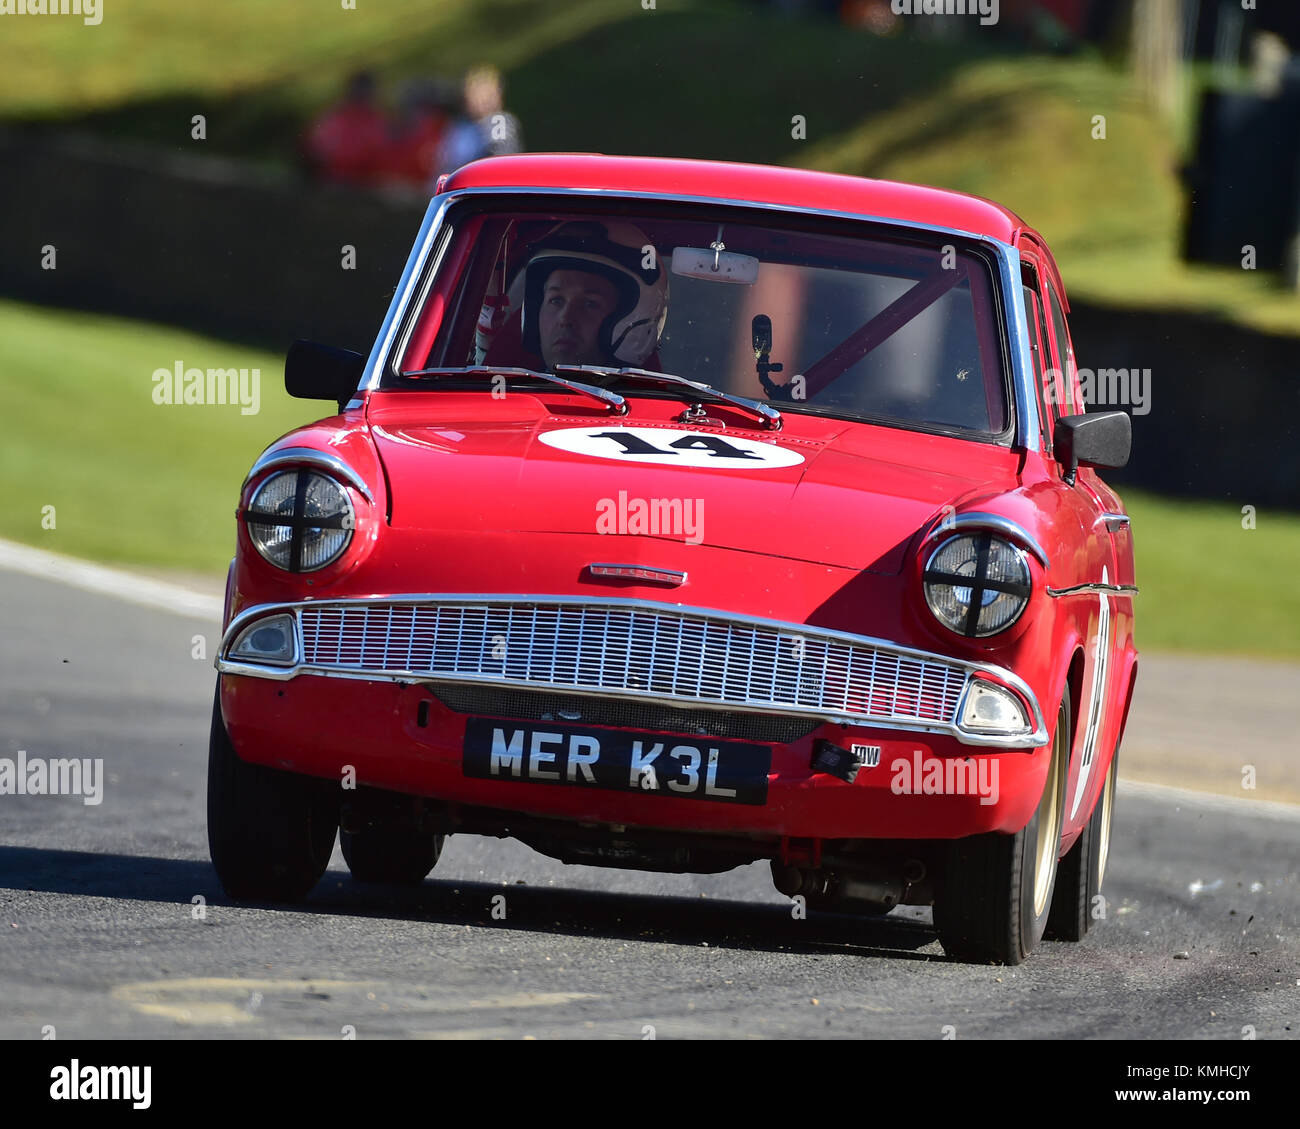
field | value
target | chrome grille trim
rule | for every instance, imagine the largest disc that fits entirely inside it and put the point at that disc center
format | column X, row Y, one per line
column 668, row 654
column 634, row 649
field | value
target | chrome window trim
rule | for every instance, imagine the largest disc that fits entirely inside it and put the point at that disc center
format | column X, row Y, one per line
column 424, row 242
column 994, row 673
column 1028, row 424
column 279, row 457
column 979, row 520
column 1005, row 255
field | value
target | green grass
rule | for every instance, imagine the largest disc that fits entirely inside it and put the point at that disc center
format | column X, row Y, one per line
column 153, row 485
column 1210, row 584
column 130, row 481
column 1019, row 131
column 702, row 78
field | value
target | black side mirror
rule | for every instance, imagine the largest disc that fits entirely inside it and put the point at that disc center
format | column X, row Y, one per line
column 322, row 372
column 1096, row 439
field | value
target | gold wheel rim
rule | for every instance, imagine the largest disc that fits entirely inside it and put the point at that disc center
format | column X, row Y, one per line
column 1049, row 826
column 1107, row 805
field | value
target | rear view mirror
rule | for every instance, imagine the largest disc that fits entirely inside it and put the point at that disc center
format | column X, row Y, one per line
column 322, row 372
column 716, row 266
column 1098, row 439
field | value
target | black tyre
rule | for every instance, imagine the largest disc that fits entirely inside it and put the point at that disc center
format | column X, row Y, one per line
column 1079, row 876
column 270, row 833
column 386, row 853
column 996, row 890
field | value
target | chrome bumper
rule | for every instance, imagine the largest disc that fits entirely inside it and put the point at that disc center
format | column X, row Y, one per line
column 635, row 649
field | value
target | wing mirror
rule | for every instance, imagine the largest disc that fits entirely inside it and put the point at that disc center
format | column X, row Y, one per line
column 322, row 372
column 1095, row 439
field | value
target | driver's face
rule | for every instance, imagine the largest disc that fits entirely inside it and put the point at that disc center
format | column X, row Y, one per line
column 574, row 304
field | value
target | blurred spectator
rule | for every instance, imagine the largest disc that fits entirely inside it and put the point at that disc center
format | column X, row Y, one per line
column 485, row 100
column 461, row 142
column 487, row 129
column 349, row 141
column 875, row 16
column 419, row 132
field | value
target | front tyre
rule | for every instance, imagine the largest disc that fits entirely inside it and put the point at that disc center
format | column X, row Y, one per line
column 384, row 853
column 270, row 833
column 1079, row 876
column 996, row 892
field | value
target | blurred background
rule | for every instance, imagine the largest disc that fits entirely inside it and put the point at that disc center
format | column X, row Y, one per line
column 203, row 183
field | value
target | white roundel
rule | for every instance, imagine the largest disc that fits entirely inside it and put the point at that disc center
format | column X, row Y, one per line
column 671, row 446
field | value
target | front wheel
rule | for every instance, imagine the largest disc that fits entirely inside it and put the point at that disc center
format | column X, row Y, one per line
column 1079, row 877
column 270, row 833
column 996, row 891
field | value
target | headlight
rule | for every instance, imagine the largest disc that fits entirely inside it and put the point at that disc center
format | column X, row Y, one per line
column 976, row 584
column 300, row 520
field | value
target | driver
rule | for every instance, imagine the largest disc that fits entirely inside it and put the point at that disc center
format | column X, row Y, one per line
column 589, row 298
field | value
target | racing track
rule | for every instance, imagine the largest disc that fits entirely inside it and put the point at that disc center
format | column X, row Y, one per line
column 100, row 937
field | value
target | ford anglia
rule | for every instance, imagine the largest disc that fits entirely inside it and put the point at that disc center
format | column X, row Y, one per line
column 686, row 515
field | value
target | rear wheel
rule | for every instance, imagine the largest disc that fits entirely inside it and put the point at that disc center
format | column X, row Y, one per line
column 386, row 853
column 270, row 833
column 996, row 891
column 1079, row 877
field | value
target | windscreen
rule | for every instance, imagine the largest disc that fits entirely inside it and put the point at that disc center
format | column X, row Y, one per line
column 901, row 330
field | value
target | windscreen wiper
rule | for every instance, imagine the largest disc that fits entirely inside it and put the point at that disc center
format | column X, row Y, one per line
column 613, row 399
column 770, row 416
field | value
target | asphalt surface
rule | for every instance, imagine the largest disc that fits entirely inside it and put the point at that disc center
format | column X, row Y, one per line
column 112, row 923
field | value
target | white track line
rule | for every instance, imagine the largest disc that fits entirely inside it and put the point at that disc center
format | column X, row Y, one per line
column 1209, row 801
column 108, row 581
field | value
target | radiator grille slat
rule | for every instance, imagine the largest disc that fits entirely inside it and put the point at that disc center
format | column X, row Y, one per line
column 683, row 656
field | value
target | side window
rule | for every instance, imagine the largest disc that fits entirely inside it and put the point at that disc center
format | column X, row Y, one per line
column 1038, row 348
column 1066, row 397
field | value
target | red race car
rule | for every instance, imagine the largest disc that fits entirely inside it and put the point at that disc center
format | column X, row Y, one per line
column 686, row 515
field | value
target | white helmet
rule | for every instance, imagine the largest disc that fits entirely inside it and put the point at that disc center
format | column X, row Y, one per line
column 616, row 251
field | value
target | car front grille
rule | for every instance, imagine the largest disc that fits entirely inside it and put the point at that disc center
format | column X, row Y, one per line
column 644, row 651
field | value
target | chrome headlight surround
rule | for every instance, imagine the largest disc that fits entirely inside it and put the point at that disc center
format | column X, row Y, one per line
column 300, row 520
column 976, row 584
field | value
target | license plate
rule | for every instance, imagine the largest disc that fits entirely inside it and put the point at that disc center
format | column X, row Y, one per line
column 587, row 757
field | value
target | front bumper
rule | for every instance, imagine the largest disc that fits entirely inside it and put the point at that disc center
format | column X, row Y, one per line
column 640, row 650
column 347, row 703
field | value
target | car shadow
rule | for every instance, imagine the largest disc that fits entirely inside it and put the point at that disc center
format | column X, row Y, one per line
column 665, row 919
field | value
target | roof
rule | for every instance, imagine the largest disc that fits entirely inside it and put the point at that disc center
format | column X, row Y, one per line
column 757, row 184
